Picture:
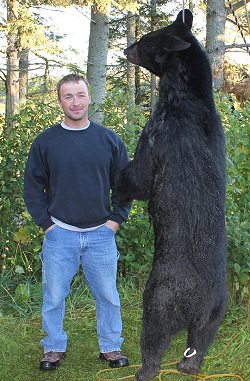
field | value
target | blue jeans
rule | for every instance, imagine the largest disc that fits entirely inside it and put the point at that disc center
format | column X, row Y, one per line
column 62, row 253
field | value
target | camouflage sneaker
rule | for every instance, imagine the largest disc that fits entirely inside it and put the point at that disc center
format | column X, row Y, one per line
column 51, row 360
column 116, row 359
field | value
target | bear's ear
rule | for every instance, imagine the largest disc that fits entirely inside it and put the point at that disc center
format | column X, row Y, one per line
column 175, row 44
column 188, row 18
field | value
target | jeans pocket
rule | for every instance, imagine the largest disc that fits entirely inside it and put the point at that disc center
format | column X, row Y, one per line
column 108, row 229
column 50, row 233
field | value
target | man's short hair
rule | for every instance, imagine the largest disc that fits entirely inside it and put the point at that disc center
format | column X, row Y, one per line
column 70, row 78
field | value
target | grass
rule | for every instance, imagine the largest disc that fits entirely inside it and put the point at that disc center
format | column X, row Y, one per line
column 20, row 333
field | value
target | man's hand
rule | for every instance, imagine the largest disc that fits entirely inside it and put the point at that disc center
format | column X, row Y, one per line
column 50, row 228
column 112, row 225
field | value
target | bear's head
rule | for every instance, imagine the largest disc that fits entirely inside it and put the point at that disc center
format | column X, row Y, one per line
column 153, row 49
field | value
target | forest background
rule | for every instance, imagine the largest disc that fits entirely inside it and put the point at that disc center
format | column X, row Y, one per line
column 123, row 97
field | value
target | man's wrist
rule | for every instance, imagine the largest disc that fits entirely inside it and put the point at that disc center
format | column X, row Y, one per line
column 47, row 224
column 113, row 225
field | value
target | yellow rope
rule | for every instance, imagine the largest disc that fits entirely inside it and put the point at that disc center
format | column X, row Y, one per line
column 116, row 379
column 174, row 371
column 216, row 376
column 200, row 377
column 234, row 377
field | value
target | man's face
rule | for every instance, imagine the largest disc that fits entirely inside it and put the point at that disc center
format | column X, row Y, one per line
column 74, row 100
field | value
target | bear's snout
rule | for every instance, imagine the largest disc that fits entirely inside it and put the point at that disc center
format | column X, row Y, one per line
column 132, row 55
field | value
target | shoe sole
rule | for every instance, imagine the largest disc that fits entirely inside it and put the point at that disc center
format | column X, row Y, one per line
column 119, row 363
column 122, row 362
column 55, row 365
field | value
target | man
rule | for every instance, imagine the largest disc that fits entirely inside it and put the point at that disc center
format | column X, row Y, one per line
column 70, row 172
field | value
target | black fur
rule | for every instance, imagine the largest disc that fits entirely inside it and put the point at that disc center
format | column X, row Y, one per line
column 179, row 166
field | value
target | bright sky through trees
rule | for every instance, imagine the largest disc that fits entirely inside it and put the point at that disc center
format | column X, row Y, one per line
column 74, row 24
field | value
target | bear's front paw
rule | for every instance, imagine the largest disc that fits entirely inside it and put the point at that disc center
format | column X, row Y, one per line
column 145, row 374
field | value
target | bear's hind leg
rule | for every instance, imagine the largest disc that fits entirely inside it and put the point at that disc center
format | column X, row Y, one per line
column 153, row 349
column 199, row 341
column 155, row 340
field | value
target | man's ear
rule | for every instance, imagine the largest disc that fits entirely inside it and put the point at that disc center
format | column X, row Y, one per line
column 175, row 44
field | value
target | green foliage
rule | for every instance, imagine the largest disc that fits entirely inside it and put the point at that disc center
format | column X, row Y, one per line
column 126, row 122
column 100, row 4
column 135, row 242
column 21, row 240
column 25, row 26
column 237, row 129
column 235, row 73
column 135, row 239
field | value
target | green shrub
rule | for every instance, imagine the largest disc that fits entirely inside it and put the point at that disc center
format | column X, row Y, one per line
column 21, row 240
column 237, row 128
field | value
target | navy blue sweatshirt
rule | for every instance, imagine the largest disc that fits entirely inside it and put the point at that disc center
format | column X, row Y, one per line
column 69, row 175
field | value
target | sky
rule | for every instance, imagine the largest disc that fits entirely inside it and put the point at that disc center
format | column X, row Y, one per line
column 74, row 24
column 71, row 22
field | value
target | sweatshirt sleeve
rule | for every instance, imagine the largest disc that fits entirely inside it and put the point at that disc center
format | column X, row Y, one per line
column 120, row 160
column 36, row 180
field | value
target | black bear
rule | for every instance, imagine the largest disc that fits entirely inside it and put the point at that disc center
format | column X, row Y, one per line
column 179, row 166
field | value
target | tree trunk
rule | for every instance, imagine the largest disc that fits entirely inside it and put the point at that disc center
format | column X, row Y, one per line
column 46, row 76
column 23, row 74
column 153, row 97
column 215, row 39
column 12, row 77
column 97, row 58
column 137, row 68
column 130, row 67
column 152, row 77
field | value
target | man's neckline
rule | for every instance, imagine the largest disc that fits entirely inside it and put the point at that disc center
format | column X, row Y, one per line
column 74, row 129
